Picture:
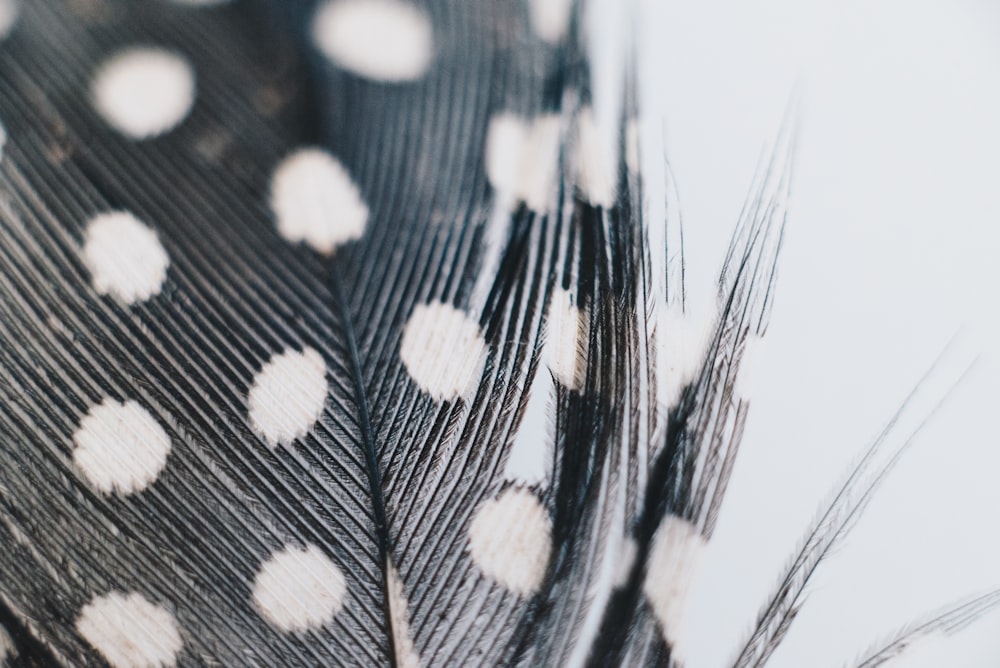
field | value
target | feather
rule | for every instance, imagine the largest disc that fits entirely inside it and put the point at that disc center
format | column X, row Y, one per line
column 356, row 333
column 835, row 521
column 944, row 622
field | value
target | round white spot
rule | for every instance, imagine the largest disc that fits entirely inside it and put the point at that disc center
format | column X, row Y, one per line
column 443, row 351
column 120, row 447
column 540, row 162
column 124, row 257
column 130, row 632
column 10, row 11
column 315, row 200
column 677, row 551
column 298, row 589
column 287, row 396
column 384, row 40
column 144, row 92
column 550, row 18
column 522, row 157
column 568, row 341
column 510, row 539
column 629, row 551
column 506, row 141
column 597, row 173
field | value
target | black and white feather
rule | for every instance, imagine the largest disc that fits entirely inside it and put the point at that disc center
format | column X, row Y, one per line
column 355, row 333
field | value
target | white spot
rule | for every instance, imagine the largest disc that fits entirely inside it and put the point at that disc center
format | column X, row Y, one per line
column 287, row 396
column 505, row 140
column 677, row 551
column 124, row 257
column 143, row 92
column 10, row 11
column 384, row 40
column 597, row 171
column 129, row 631
column 626, row 560
column 753, row 353
column 443, row 351
column 298, row 589
column 681, row 341
column 567, row 344
column 120, row 447
column 550, row 19
column 315, row 200
column 510, row 539
column 406, row 653
column 522, row 157
column 540, row 162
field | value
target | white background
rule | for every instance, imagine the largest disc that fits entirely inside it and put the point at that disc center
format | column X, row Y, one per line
column 893, row 248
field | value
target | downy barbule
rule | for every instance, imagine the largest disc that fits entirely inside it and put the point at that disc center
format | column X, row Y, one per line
column 354, row 332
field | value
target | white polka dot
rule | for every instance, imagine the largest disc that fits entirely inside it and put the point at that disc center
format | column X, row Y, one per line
column 399, row 613
column 298, row 589
column 510, row 539
column 130, row 632
column 505, row 140
column 10, row 11
column 522, row 157
column 124, row 257
column 315, row 200
column 443, row 351
column 540, row 162
column 120, row 447
column 629, row 551
column 144, row 92
column 287, row 396
column 677, row 551
column 384, row 40
column 567, row 341
column 597, row 172
column 550, row 18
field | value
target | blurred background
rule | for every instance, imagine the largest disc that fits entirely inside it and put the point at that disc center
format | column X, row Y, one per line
column 893, row 249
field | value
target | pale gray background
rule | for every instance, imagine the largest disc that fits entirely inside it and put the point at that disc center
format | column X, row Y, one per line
column 893, row 248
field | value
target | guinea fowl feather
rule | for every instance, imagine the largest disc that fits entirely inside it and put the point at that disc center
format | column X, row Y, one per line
column 355, row 332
